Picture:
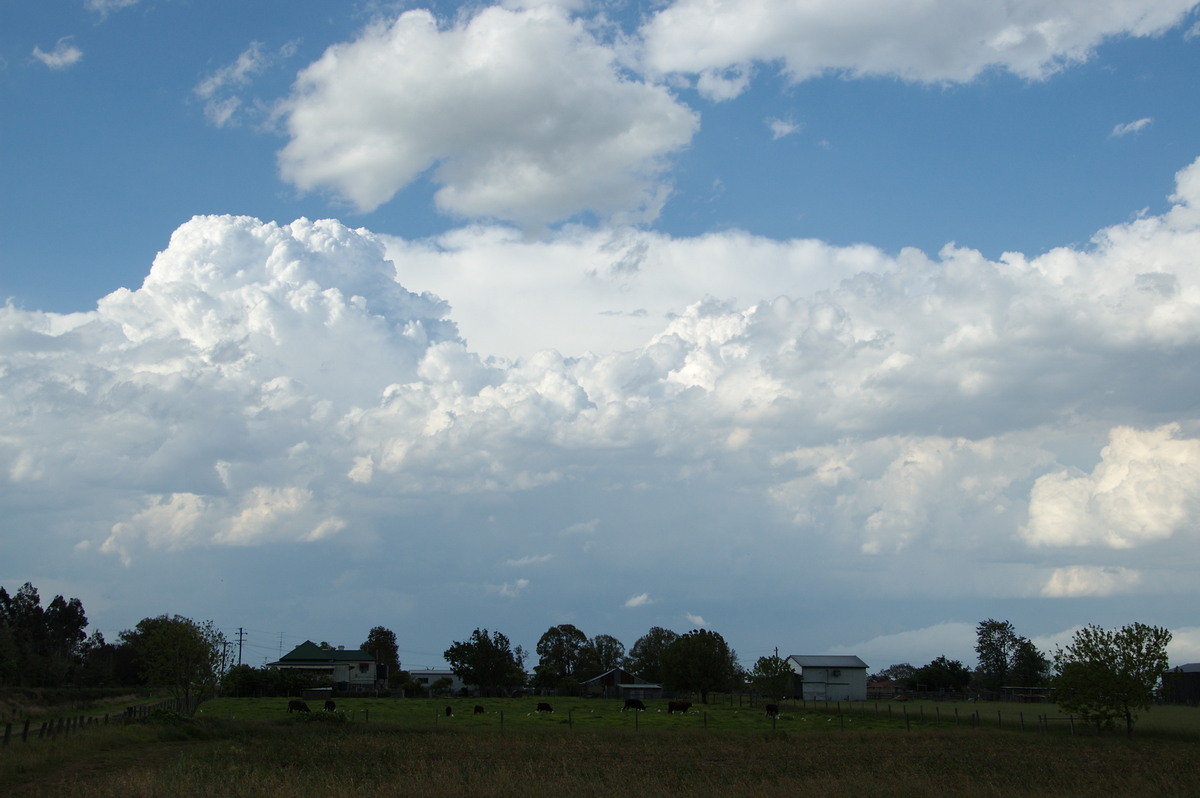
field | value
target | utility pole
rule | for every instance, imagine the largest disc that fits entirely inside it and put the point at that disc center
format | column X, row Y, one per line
column 241, row 639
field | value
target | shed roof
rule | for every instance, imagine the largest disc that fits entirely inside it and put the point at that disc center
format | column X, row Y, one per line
column 826, row 661
column 624, row 678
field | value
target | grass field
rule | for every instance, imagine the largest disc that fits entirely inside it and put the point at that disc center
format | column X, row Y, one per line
column 391, row 747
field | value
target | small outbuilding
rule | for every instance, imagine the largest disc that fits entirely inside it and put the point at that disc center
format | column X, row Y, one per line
column 1181, row 685
column 428, row 677
column 620, row 683
column 829, row 677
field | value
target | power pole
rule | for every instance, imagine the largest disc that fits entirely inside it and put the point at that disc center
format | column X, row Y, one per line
column 241, row 639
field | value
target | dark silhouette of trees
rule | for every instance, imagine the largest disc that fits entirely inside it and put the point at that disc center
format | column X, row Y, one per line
column 600, row 654
column 1007, row 659
column 559, row 651
column 487, row 661
column 381, row 644
column 701, row 662
column 942, row 674
column 645, row 657
column 40, row 646
column 901, row 673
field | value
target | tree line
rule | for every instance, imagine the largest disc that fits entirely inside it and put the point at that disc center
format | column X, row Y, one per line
column 1102, row 676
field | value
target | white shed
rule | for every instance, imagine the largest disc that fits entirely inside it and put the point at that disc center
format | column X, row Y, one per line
column 829, row 677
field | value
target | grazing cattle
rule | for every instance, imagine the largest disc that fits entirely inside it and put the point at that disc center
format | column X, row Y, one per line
column 772, row 710
column 295, row 705
column 478, row 710
column 678, row 706
column 329, row 705
column 544, row 707
column 449, row 711
column 633, row 703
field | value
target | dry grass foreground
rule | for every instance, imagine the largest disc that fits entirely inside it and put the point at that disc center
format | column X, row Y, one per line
column 292, row 757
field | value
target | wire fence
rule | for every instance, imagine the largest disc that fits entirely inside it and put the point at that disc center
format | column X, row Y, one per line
column 28, row 729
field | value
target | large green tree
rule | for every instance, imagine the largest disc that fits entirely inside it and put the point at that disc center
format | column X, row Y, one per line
column 600, row 654
column 701, row 662
column 381, row 644
column 902, row 673
column 1104, row 675
column 488, row 661
column 646, row 655
column 942, row 674
column 40, row 647
column 186, row 657
column 772, row 676
column 559, row 651
column 1006, row 659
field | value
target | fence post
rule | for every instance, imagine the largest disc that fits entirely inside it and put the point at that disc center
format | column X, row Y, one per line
column 906, row 726
column 999, row 722
column 7, row 732
column 25, row 732
column 1072, row 719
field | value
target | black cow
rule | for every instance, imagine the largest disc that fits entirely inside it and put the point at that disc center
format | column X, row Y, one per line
column 329, row 705
column 544, row 707
column 772, row 710
column 296, row 705
column 634, row 703
column 449, row 711
column 478, row 710
column 678, row 706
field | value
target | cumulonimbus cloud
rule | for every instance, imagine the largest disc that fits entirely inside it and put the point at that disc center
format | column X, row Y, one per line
column 274, row 384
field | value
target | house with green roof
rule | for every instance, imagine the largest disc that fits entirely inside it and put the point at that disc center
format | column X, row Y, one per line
column 350, row 671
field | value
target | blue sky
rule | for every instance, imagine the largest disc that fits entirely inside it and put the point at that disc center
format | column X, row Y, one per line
column 831, row 333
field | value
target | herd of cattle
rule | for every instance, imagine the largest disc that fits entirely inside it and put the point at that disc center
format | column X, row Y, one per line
column 296, row 705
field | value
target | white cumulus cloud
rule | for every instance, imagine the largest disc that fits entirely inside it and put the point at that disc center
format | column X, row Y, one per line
column 1145, row 488
column 515, row 114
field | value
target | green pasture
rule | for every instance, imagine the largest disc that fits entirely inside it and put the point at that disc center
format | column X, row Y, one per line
column 725, row 713
column 589, row 747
